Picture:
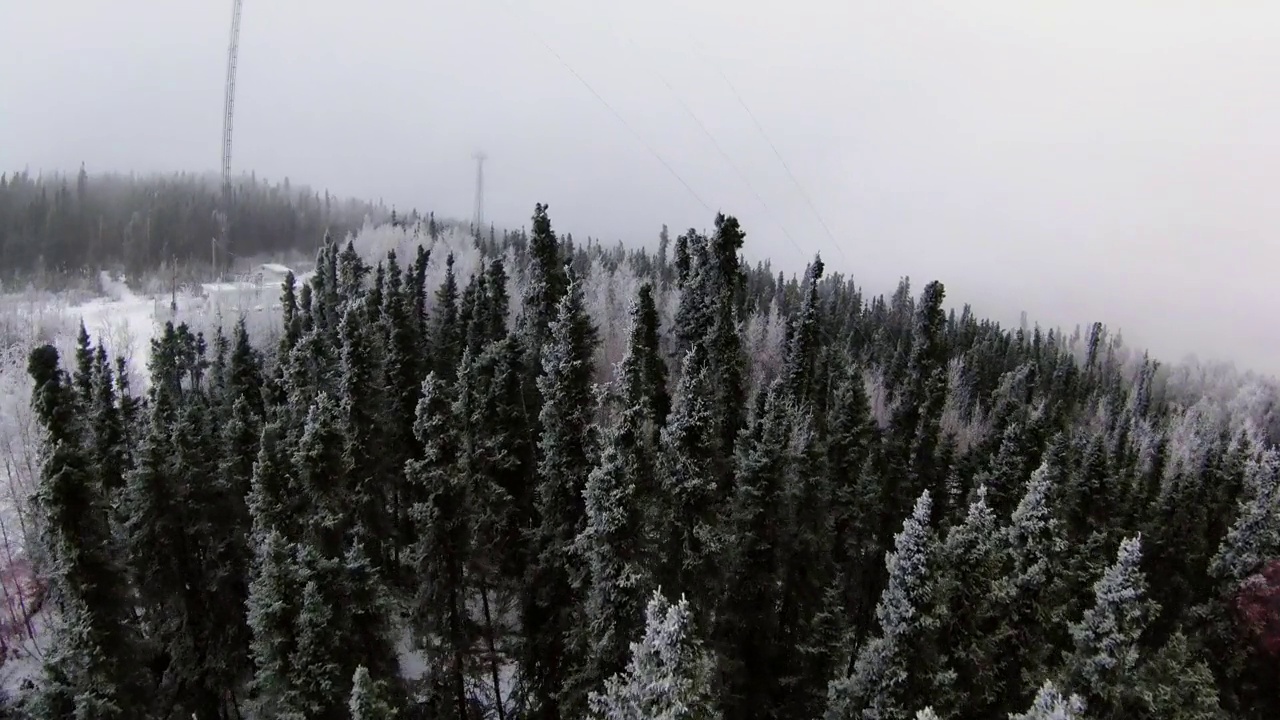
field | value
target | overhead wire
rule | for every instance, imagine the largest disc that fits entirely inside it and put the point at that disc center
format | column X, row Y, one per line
column 765, row 135
column 648, row 146
column 781, row 160
column 719, row 148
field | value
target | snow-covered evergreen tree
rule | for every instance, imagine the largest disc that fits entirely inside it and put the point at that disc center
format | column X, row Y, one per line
column 669, row 676
column 1050, row 704
column 1107, row 650
column 899, row 666
column 367, row 701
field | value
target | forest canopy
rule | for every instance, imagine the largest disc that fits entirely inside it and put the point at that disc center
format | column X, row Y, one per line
column 744, row 496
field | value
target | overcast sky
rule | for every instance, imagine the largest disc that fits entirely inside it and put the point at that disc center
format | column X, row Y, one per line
column 1078, row 160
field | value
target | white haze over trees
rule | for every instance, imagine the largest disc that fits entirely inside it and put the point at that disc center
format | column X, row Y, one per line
column 1081, row 161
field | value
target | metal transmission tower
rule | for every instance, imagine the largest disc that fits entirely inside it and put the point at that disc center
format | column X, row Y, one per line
column 228, row 118
column 480, row 157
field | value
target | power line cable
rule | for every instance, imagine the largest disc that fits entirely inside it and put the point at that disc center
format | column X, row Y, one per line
column 782, row 160
column 727, row 158
column 530, row 29
column 777, row 153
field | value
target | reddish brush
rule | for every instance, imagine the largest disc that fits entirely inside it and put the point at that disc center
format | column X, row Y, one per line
column 1258, row 606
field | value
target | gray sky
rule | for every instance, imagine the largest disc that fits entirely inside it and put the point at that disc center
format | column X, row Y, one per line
column 1080, row 160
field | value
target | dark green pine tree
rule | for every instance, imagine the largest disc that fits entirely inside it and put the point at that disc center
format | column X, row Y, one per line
column 418, row 290
column 363, row 414
column 273, row 606
column 446, row 331
column 322, row 479
column 564, row 460
column 491, row 323
column 274, row 500
column 805, row 342
column 970, row 563
column 316, row 677
column 108, row 438
column 915, row 427
column 752, row 648
column 546, row 284
column 645, row 349
column 440, row 555
column 495, row 448
column 724, row 341
column 403, row 370
column 687, row 514
column 899, row 669
column 83, row 375
column 352, row 271
column 616, row 544
column 368, row 698
column 851, row 435
column 245, row 376
column 91, row 666
column 292, row 330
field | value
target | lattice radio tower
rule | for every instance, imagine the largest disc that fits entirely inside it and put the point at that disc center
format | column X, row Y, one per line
column 228, row 118
column 478, row 217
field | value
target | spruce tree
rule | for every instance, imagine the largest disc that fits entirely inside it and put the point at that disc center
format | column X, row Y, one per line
column 749, row 627
column 669, row 675
column 1107, row 650
column 362, row 407
column 971, row 560
column 272, row 613
column 442, row 549
column 803, row 348
column 317, row 677
column 690, row 464
column 91, row 667
column 616, row 542
column 446, row 333
column 900, row 664
column 368, row 700
column 564, row 460
column 1050, row 704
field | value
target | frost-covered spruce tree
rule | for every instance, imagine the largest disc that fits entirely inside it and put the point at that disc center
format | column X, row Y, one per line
column 564, row 460
column 1107, row 650
column 914, row 429
column 969, row 568
column 1254, row 538
column 362, row 410
column 1033, row 545
column 446, row 332
column 804, row 343
column 272, row 613
column 898, row 668
column 669, row 676
column 1051, row 704
column 108, row 433
column 368, row 701
column 441, row 551
column 321, row 477
column 272, row 499
column 403, row 369
column 689, row 461
column 749, row 631
column 91, row 663
column 244, row 377
column 315, row 671
column 547, row 282
column 616, row 543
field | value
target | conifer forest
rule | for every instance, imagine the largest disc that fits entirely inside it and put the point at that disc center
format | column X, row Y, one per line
column 513, row 476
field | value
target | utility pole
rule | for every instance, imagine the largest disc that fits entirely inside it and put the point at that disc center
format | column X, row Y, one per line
column 228, row 117
column 478, row 218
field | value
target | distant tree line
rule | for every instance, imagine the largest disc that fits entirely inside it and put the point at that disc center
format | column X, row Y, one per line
column 56, row 224
column 912, row 513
